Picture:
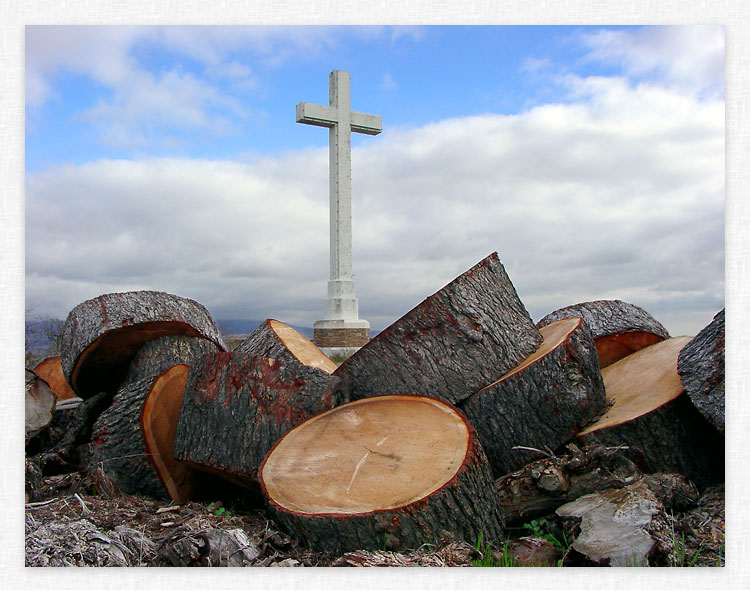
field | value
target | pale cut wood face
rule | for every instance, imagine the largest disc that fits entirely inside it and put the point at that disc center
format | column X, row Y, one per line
column 307, row 353
column 372, row 454
column 641, row 382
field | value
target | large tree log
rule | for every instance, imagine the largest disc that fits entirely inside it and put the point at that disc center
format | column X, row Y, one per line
column 619, row 328
column 543, row 402
column 457, row 341
column 101, row 336
column 391, row 471
column 51, row 371
column 40, row 401
column 276, row 340
column 650, row 416
column 701, row 369
column 236, row 406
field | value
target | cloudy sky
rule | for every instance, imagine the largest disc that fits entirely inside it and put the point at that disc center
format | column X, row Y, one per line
column 591, row 158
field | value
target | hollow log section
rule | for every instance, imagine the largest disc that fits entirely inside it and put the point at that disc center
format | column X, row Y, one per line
column 619, row 328
column 391, row 471
column 40, row 401
column 543, row 402
column 701, row 369
column 276, row 340
column 236, row 406
column 50, row 369
column 650, row 416
column 101, row 336
column 454, row 343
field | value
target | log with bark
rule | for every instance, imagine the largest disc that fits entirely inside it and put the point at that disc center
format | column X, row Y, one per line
column 652, row 418
column 236, row 406
column 457, row 341
column 50, row 369
column 619, row 328
column 276, row 340
column 383, row 472
column 40, row 401
column 701, row 369
column 543, row 402
column 101, row 336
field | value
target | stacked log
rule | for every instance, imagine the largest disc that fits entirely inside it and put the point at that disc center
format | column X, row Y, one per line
column 701, row 369
column 651, row 417
column 454, row 343
column 390, row 471
column 101, row 336
column 619, row 328
column 50, row 369
column 236, row 406
column 543, row 402
column 40, row 401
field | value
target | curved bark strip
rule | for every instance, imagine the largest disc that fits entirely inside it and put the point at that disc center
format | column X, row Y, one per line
column 389, row 471
column 276, row 340
column 157, row 356
column 542, row 402
column 455, row 342
column 161, row 411
column 619, row 328
column 236, row 406
column 701, row 369
column 50, row 369
column 117, row 443
column 650, row 416
column 101, row 336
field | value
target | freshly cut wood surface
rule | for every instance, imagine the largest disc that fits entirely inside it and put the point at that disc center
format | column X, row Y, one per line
column 159, row 417
column 652, row 417
column 619, row 328
column 276, row 340
column 543, row 401
column 392, row 469
column 101, row 336
column 455, row 342
column 50, row 369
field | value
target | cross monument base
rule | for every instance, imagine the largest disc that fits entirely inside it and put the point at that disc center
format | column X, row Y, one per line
column 341, row 333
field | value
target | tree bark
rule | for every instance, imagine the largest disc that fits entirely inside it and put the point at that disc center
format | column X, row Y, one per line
column 383, row 472
column 701, row 369
column 619, row 328
column 543, row 402
column 275, row 340
column 51, row 371
column 236, row 406
column 457, row 341
column 652, row 418
column 101, row 336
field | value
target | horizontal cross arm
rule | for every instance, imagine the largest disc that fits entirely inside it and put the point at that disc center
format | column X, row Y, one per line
column 316, row 114
column 367, row 124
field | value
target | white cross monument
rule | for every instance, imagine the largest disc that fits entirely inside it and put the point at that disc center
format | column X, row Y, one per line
column 341, row 328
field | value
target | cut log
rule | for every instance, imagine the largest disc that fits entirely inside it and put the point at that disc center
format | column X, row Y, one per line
column 157, row 356
column 51, row 371
column 454, row 343
column 40, row 401
column 236, row 406
column 275, row 340
column 650, row 416
column 384, row 472
column 543, row 402
column 542, row 486
column 701, row 369
column 101, row 336
column 619, row 328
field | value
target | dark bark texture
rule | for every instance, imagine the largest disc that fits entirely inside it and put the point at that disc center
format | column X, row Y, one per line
column 674, row 438
column 542, row 405
column 117, row 443
column 457, row 341
column 265, row 342
column 236, row 406
column 157, row 356
column 701, row 368
column 619, row 328
column 466, row 506
column 101, row 336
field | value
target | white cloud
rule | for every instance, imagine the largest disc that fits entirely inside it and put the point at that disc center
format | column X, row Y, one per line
column 619, row 195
